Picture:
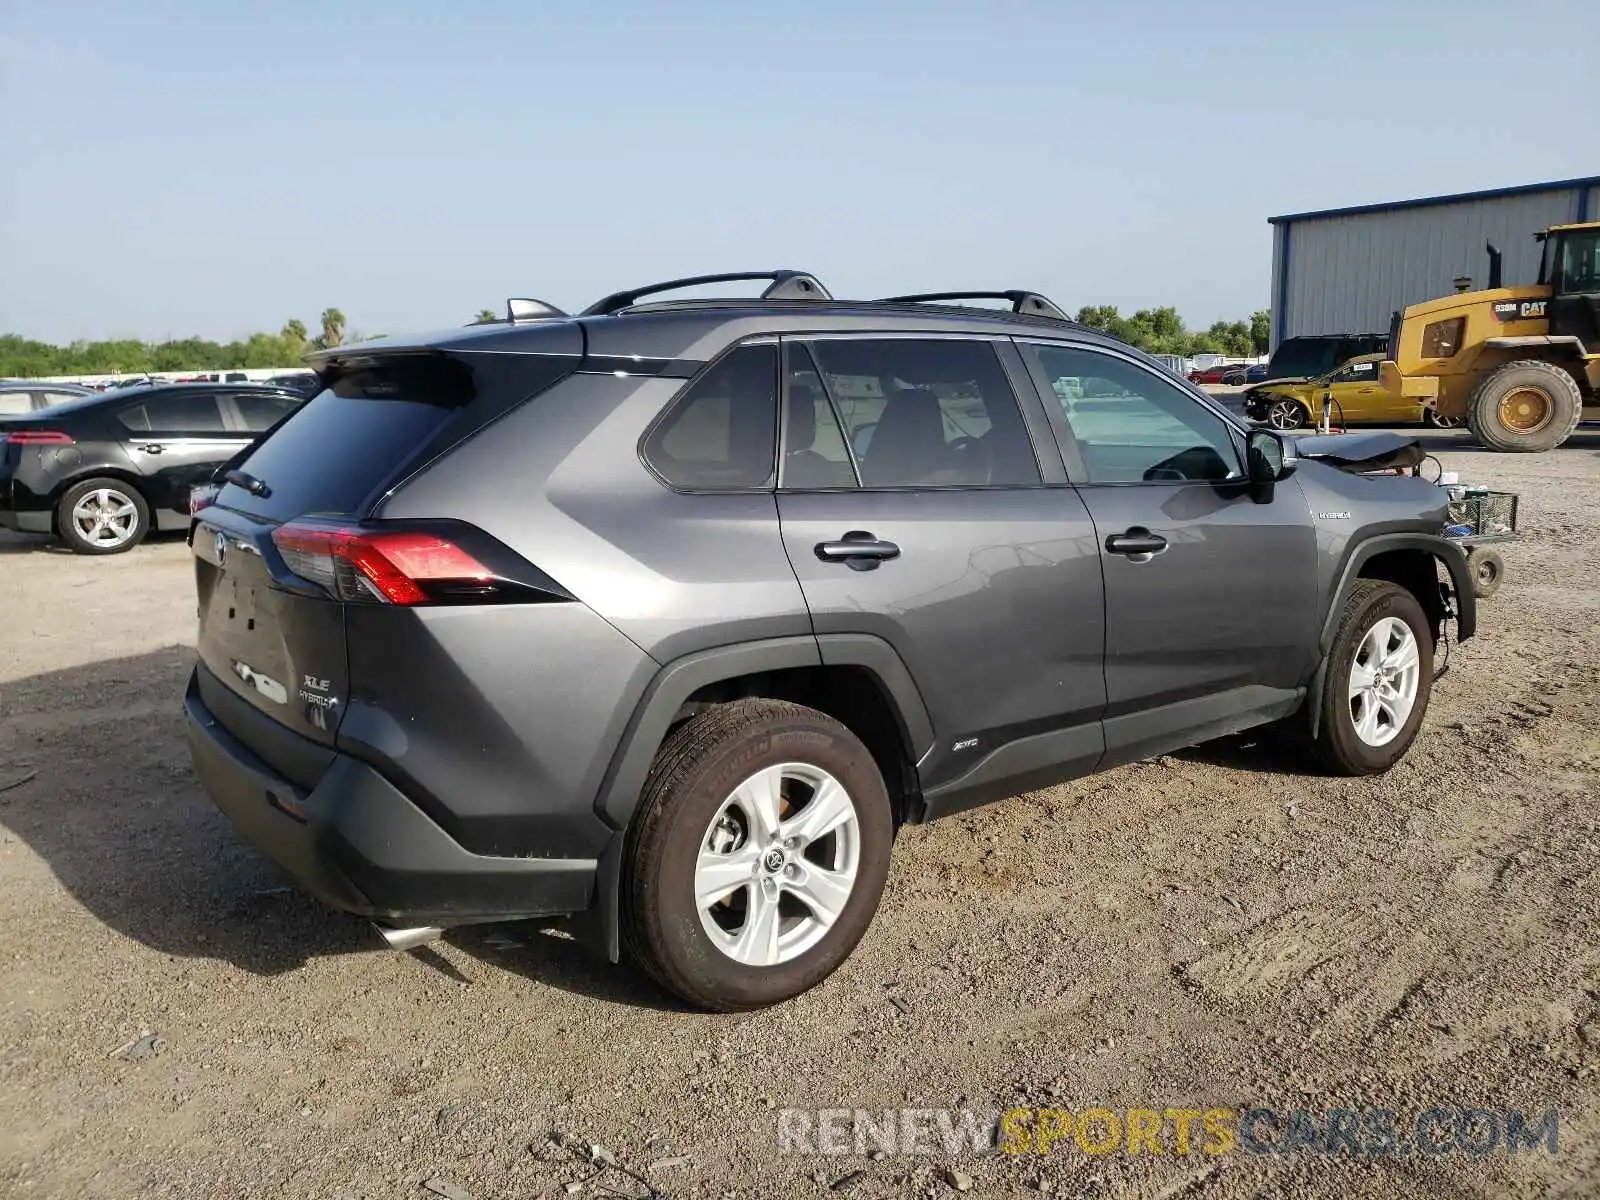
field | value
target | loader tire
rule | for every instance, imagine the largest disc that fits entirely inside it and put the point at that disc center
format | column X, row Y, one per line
column 1525, row 406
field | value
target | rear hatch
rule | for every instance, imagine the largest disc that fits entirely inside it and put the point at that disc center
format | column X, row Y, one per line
column 287, row 542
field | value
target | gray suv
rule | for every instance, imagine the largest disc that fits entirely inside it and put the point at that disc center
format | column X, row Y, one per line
column 672, row 612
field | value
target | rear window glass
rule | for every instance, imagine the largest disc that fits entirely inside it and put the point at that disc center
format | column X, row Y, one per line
column 351, row 437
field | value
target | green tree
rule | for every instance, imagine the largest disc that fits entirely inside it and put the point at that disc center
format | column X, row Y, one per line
column 1260, row 332
column 333, row 323
column 486, row 316
column 293, row 338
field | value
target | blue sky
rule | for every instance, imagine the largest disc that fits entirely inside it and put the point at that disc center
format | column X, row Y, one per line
column 211, row 167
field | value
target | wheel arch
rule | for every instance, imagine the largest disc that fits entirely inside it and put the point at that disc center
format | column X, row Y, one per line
column 84, row 474
column 856, row 678
column 1411, row 561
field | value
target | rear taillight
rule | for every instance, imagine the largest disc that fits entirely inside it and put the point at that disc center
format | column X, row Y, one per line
column 388, row 566
column 36, row 437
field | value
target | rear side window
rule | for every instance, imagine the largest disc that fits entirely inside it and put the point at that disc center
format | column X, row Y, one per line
column 261, row 412
column 925, row 412
column 187, row 412
column 352, row 437
column 722, row 433
column 15, row 403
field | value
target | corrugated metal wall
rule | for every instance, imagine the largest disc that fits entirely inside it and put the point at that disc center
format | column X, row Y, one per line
column 1347, row 274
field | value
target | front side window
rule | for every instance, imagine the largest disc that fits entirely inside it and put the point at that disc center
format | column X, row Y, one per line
column 1130, row 424
column 722, row 433
column 927, row 412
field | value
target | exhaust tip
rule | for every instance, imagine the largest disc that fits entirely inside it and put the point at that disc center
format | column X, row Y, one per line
column 408, row 939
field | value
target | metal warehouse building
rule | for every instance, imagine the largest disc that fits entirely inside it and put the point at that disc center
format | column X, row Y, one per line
column 1346, row 270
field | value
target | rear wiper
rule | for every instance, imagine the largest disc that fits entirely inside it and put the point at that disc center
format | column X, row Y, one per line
column 256, row 487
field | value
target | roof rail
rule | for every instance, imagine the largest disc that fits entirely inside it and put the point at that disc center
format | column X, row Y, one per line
column 1030, row 303
column 786, row 285
column 523, row 308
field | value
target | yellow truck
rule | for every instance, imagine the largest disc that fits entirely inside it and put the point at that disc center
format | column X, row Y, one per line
column 1520, row 365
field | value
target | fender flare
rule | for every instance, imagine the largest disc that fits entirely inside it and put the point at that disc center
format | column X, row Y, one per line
column 675, row 682
column 1440, row 548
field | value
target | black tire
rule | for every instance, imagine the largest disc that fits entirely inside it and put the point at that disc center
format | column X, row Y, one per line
column 1338, row 747
column 695, row 772
column 1286, row 414
column 1563, row 400
column 1432, row 419
column 80, row 541
column 1488, row 572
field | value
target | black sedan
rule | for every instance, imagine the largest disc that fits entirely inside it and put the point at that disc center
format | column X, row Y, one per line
column 102, row 471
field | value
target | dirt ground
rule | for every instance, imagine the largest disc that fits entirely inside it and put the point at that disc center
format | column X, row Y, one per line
column 1215, row 929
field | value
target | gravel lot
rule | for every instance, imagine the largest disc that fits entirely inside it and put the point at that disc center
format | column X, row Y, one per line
column 1212, row 929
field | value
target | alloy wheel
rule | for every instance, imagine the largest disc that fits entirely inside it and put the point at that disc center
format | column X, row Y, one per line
column 105, row 517
column 1383, row 681
column 777, row 865
column 1285, row 414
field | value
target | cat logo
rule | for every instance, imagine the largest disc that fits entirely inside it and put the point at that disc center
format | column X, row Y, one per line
column 1519, row 310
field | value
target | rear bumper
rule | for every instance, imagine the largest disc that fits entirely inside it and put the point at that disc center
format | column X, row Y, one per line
column 358, row 844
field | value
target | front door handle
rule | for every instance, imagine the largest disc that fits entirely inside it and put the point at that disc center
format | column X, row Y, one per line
column 1137, row 544
column 858, row 550
column 152, row 448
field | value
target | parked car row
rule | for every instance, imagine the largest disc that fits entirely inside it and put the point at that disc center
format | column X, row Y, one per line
column 1229, row 374
column 101, row 469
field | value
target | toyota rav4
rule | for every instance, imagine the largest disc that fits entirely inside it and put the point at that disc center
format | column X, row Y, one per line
column 673, row 612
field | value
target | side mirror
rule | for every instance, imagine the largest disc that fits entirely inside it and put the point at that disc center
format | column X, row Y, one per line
column 1269, row 457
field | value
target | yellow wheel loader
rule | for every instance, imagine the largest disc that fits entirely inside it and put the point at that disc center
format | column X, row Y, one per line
column 1521, row 365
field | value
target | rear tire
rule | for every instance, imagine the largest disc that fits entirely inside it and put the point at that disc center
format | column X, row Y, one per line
column 1488, row 572
column 728, row 907
column 1525, row 406
column 102, row 516
column 1432, row 419
column 1383, row 640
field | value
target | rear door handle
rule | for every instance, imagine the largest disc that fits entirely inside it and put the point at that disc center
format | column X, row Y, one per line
column 153, row 448
column 858, row 550
column 1137, row 544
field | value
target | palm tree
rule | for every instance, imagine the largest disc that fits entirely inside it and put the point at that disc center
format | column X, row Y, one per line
column 486, row 316
column 332, row 328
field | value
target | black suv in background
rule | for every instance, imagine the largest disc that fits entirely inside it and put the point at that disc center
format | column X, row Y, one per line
column 103, row 470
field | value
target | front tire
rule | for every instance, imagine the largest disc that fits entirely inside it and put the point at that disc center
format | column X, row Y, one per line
column 758, row 855
column 102, row 516
column 1378, row 682
column 1286, row 414
column 1525, row 406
